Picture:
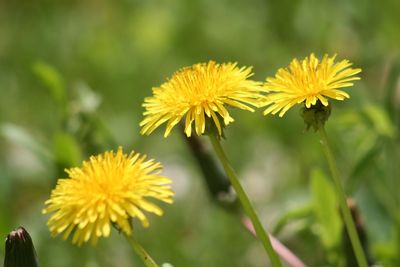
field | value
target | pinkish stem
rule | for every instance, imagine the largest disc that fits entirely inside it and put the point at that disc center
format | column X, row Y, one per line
column 281, row 249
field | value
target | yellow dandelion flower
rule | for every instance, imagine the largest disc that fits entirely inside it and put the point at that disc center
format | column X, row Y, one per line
column 308, row 81
column 108, row 189
column 199, row 92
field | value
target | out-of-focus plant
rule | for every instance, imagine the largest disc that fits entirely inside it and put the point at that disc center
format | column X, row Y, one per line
column 80, row 131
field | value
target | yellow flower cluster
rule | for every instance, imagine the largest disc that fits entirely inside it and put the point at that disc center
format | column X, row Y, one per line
column 308, row 81
column 110, row 188
column 204, row 90
column 200, row 91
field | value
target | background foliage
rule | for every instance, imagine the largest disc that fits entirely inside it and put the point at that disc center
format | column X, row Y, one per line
column 73, row 75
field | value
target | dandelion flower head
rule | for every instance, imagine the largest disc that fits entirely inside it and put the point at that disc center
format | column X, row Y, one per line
column 199, row 92
column 109, row 188
column 308, row 81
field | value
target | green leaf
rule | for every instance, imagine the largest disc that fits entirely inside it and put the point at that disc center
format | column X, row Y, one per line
column 52, row 80
column 365, row 163
column 380, row 120
column 387, row 252
column 66, row 150
column 324, row 202
column 296, row 214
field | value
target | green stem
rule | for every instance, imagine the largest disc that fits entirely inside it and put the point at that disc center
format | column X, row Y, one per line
column 348, row 220
column 247, row 206
column 141, row 252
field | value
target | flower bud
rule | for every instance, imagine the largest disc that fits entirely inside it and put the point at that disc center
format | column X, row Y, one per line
column 20, row 251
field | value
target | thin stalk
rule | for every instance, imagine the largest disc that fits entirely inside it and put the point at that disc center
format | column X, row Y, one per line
column 348, row 220
column 247, row 206
column 141, row 252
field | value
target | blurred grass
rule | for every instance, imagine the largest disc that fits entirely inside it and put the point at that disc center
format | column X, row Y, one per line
column 114, row 52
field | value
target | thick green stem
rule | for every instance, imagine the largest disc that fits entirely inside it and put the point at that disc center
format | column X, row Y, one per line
column 247, row 206
column 141, row 252
column 348, row 220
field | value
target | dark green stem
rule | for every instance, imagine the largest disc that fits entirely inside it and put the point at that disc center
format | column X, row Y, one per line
column 348, row 220
column 247, row 206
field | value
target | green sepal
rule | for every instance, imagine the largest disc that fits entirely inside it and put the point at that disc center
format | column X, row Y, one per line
column 315, row 115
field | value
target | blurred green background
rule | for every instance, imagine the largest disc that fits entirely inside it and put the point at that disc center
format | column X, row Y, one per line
column 73, row 75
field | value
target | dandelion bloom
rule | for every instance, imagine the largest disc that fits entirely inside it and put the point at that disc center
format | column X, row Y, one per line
column 308, row 81
column 200, row 91
column 108, row 189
